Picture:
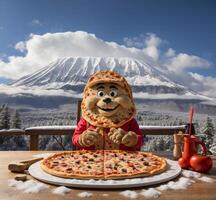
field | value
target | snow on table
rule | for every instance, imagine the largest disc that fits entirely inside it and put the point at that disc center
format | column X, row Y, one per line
column 187, row 179
column 62, row 190
column 29, row 186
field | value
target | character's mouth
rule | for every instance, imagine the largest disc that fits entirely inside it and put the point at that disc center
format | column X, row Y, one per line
column 108, row 109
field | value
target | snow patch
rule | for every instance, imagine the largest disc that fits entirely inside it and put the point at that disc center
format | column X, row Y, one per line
column 129, row 194
column 62, row 190
column 207, row 179
column 30, row 186
column 151, row 193
column 182, row 184
column 196, row 175
column 37, row 91
column 52, row 128
column 190, row 174
column 163, row 187
column 187, row 95
column 162, row 127
column 11, row 130
column 84, row 194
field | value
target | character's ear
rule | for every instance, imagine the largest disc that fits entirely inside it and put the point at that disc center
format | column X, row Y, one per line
column 124, row 101
column 91, row 102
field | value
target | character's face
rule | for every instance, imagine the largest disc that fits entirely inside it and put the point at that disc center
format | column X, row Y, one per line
column 108, row 100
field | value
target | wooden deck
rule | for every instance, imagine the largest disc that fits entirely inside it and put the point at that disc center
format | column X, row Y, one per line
column 196, row 191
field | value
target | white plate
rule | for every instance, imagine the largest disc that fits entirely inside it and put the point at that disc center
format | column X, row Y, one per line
column 173, row 171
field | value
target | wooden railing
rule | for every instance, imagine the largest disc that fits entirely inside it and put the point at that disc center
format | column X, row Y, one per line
column 35, row 132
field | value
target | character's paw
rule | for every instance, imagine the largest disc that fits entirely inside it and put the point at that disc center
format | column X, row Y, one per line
column 130, row 139
column 89, row 138
column 116, row 135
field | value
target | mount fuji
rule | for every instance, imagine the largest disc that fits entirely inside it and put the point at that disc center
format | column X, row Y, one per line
column 76, row 71
column 63, row 81
column 71, row 74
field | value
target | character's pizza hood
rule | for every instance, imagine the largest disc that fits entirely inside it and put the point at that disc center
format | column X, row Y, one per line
column 107, row 76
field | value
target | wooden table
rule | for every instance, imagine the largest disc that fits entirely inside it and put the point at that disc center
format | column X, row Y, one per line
column 198, row 190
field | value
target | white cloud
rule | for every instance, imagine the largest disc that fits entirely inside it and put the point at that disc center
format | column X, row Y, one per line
column 138, row 42
column 38, row 91
column 36, row 22
column 20, row 46
column 43, row 49
column 169, row 60
column 184, row 61
column 22, row 90
column 40, row 50
column 206, row 84
column 149, row 44
column 170, row 53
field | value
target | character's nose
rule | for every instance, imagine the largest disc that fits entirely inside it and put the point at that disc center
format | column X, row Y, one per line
column 107, row 100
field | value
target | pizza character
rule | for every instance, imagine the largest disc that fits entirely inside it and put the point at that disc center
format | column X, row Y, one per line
column 108, row 112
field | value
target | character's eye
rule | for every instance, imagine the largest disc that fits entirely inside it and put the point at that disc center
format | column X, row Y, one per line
column 101, row 93
column 113, row 93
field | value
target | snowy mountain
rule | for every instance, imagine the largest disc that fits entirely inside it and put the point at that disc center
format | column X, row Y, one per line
column 73, row 73
column 63, row 81
column 68, row 76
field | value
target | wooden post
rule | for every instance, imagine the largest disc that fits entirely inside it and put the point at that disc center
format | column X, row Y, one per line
column 78, row 110
column 34, row 142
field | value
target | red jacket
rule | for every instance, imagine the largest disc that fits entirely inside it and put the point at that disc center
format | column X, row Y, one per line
column 129, row 126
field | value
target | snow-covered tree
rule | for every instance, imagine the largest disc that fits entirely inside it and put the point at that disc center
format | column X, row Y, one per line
column 18, row 141
column 154, row 146
column 213, row 146
column 16, row 121
column 161, row 144
column 207, row 133
column 5, row 118
column 169, row 143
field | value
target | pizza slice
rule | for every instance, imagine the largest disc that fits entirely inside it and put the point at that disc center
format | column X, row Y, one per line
column 129, row 164
column 75, row 164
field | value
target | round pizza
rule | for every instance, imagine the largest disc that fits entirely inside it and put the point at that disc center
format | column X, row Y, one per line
column 103, row 164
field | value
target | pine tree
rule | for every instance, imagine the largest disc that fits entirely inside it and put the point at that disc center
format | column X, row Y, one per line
column 154, row 146
column 161, row 144
column 213, row 146
column 5, row 118
column 208, row 133
column 168, row 143
column 16, row 121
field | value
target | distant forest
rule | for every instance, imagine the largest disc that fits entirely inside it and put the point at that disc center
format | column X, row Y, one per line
column 11, row 118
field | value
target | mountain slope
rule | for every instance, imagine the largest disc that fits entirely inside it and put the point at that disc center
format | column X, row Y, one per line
column 70, row 73
column 77, row 71
column 68, row 76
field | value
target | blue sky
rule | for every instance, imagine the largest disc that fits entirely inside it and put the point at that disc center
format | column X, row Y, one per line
column 185, row 26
